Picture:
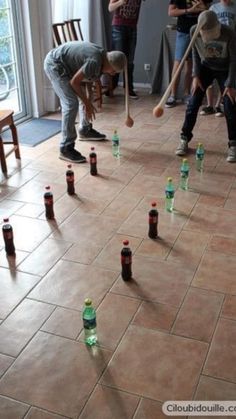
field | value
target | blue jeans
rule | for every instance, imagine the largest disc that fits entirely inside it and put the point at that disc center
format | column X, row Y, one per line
column 124, row 38
column 207, row 76
column 181, row 44
column 70, row 103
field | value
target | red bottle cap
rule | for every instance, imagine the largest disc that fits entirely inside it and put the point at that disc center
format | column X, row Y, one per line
column 48, row 188
column 5, row 220
column 69, row 166
column 125, row 242
column 92, row 148
column 154, row 204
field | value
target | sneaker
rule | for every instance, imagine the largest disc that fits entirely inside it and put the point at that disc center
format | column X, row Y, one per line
column 207, row 110
column 133, row 95
column 70, row 154
column 90, row 134
column 218, row 112
column 171, row 102
column 231, row 154
column 182, row 148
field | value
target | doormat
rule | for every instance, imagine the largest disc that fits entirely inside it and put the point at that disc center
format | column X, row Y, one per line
column 35, row 131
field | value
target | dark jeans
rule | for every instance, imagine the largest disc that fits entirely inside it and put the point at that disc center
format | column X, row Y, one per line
column 124, row 38
column 207, row 76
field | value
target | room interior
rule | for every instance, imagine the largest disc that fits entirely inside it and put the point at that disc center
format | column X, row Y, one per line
column 167, row 334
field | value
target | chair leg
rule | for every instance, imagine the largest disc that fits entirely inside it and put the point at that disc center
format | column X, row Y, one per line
column 15, row 140
column 2, row 157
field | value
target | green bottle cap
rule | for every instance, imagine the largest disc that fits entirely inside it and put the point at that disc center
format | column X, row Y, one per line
column 185, row 160
column 169, row 179
column 88, row 302
column 200, row 145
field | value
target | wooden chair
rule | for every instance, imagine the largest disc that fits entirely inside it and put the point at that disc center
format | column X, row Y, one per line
column 6, row 119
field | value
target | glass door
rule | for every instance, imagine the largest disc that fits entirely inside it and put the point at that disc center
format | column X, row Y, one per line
column 13, row 89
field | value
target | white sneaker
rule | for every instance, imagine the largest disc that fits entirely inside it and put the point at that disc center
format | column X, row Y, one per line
column 231, row 154
column 182, row 148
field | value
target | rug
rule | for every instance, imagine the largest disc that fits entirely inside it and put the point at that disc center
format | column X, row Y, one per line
column 35, row 131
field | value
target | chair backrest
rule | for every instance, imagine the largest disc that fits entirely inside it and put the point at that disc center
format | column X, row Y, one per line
column 74, row 29
column 60, row 33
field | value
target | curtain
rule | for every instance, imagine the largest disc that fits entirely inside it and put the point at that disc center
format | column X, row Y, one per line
column 91, row 14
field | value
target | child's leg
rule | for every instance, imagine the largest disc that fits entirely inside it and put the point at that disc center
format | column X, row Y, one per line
column 209, row 95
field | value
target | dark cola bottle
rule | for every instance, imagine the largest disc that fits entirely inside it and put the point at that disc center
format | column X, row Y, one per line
column 70, row 179
column 7, row 232
column 48, row 202
column 153, row 222
column 93, row 162
column 126, row 261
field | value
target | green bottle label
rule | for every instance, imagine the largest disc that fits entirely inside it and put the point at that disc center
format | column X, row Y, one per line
column 90, row 324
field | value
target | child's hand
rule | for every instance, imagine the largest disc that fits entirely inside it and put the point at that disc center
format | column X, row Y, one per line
column 231, row 93
column 196, row 84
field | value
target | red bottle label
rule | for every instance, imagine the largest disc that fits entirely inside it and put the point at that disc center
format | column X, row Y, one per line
column 126, row 260
column 153, row 220
column 93, row 160
column 8, row 235
column 70, row 178
column 48, row 201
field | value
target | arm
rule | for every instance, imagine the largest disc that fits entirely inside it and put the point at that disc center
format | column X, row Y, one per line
column 114, row 4
column 75, row 83
column 174, row 11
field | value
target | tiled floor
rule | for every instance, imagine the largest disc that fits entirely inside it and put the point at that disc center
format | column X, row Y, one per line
column 170, row 333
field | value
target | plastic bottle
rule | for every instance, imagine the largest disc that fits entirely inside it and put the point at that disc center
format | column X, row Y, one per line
column 200, row 152
column 70, row 179
column 93, row 162
column 7, row 232
column 153, row 222
column 126, row 261
column 89, row 322
column 184, row 174
column 48, row 202
column 170, row 192
column 115, row 144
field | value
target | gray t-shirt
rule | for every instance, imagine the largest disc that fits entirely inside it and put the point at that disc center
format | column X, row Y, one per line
column 225, row 14
column 83, row 55
column 218, row 55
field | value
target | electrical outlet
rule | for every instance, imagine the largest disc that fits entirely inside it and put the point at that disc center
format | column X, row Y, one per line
column 147, row 67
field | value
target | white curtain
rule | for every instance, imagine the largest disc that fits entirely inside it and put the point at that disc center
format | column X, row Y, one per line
column 89, row 11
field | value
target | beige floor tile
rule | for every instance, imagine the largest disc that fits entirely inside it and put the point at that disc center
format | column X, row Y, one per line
column 149, row 409
column 221, row 359
column 142, row 372
column 11, row 409
column 19, row 328
column 64, row 322
column 198, row 315
column 14, row 287
column 223, row 245
column 155, row 281
column 155, row 316
column 49, row 252
column 213, row 268
column 11, row 262
column 212, row 389
column 83, row 252
column 65, row 363
column 5, row 362
column 35, row 413
column 68, row 284
column 229, row 307
column 109, row 404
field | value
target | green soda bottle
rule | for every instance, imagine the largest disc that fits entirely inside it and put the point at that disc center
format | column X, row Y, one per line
column 184, row 175
column 200, row 157
column 89, row 322
column 170, row 192
column 115, row 140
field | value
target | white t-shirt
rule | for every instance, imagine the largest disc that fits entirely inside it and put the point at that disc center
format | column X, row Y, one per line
column 225, row 14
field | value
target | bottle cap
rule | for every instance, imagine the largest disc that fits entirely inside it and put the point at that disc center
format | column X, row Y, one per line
column 92, row 148
column 169, row 179
column 125, row 242
column 185, row 160
column 115, row 131
column 5, row 220
column 200, row 145
column 154, row 204
column 88, row 302
column 69, row 166
column 48, row 188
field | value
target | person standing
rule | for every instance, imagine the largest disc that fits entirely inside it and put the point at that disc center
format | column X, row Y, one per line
column 225, row 11
column 124, row 35
column 70, row 67
column 214, row 58
column 187, row 12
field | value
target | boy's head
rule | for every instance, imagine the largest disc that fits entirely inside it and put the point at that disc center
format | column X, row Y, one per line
column 210, row 26
column 117, row 60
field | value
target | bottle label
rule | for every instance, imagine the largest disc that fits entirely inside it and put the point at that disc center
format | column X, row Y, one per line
column 70, row 178
column 93, row 160
column 115, row 142
column 48, row 201
column 8, row 235
column 199, row 156
column 153, row 219
column 90, row 324
column 126, row 260
column 169, row 194
column 184, row 174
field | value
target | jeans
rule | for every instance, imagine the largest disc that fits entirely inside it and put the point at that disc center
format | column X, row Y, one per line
column 206, row 77
column 124, row 38
column 181, row 44
column 70, row 103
